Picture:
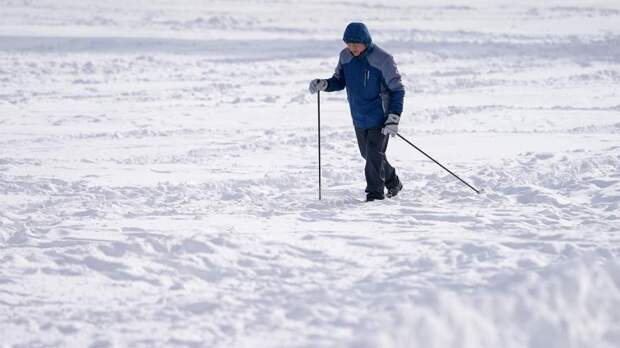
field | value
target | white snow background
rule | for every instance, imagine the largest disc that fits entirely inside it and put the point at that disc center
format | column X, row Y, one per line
column 158, row 176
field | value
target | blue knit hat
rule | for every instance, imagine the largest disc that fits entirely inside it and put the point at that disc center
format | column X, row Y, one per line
column 357, row 33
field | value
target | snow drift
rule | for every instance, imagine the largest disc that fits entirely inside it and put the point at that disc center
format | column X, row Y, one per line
column 571, row 304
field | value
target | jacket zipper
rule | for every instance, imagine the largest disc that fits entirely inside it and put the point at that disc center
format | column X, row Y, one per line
column 366, row 76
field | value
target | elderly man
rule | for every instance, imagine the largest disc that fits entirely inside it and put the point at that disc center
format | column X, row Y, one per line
column 375, row 94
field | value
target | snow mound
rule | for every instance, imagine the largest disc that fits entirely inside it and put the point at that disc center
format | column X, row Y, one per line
column 573, row 304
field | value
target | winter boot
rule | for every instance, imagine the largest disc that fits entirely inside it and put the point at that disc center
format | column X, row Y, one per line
column 371, row 197
column 394, row 190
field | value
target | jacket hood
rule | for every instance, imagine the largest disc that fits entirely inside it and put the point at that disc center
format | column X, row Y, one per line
column 357, row 33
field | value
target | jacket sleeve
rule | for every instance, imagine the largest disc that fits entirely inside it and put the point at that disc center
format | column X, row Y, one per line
column 337, row 81
column 394, row 85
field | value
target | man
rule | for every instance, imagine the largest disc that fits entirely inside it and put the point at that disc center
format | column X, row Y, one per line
column 375, row 94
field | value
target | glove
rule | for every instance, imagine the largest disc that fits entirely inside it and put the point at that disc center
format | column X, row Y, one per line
column 317, row 85
column 390, row 127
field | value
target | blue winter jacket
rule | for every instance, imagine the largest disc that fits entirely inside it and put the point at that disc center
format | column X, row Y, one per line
column 374, row 87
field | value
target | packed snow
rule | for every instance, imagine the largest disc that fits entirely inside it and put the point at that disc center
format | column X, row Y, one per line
column 159, row 176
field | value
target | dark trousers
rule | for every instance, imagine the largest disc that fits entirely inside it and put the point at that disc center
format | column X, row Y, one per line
column 379, row 173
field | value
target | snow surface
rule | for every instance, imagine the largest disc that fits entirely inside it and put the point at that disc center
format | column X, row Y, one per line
column 158, row 177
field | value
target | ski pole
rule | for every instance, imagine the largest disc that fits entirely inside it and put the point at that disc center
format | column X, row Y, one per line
column 441, row 165
column 318, row 103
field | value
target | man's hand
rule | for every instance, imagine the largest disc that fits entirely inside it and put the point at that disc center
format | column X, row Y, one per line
column 390, row 127
column 317, row 85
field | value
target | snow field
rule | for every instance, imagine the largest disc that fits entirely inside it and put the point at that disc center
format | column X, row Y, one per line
column 158, row 177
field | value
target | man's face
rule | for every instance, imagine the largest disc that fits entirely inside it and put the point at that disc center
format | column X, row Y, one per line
column 356, row 48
